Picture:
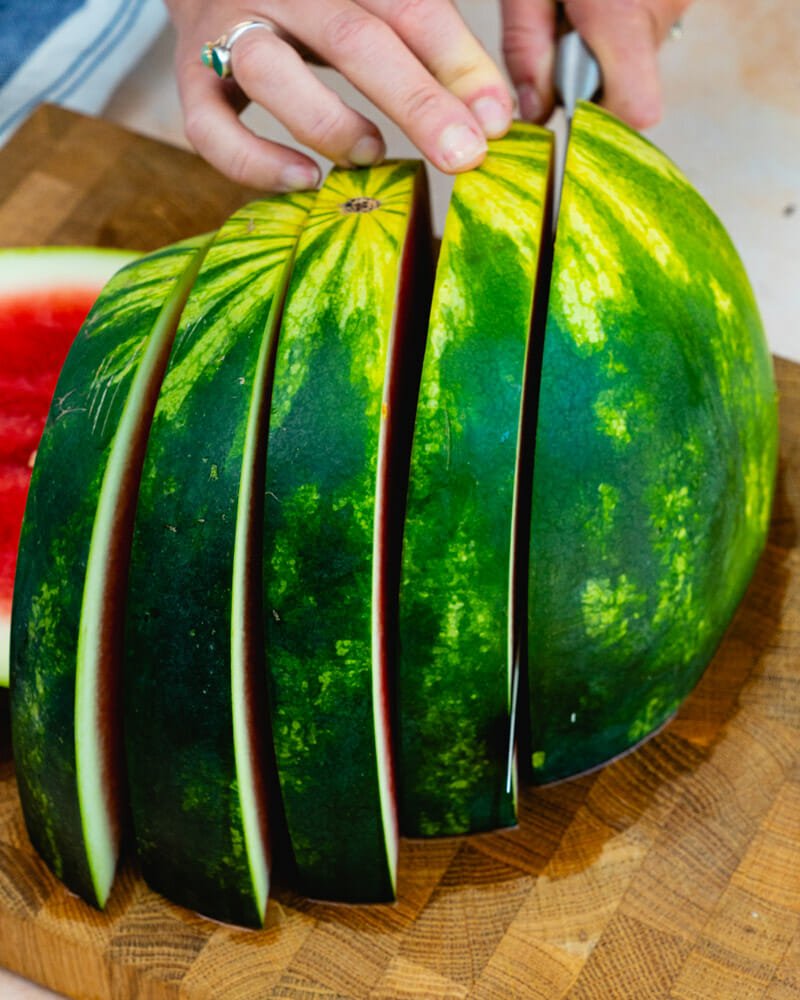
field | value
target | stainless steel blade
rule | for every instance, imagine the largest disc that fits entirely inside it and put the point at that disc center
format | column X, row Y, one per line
column 577, row 78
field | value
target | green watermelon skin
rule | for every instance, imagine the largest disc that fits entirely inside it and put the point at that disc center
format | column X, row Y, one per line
column 456, row 631
column 194, row 684
column 655, row 451
column 50, row 679
column 337, row 425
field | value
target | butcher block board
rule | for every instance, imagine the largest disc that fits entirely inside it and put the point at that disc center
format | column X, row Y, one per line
column 674, row 872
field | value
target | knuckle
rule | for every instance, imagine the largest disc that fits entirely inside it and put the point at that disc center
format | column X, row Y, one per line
column 240, row 165
column 325, row 131
column 348, row 29
column 422, row 102
column 248, row 61
column 409, row 14
column 461, row 73
column 196, row 130
column 520, row 41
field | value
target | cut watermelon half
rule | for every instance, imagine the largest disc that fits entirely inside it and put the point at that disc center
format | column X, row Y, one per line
column 45, row 295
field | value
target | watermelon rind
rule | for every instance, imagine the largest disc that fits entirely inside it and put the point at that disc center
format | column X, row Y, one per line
column 41, row 272
column 25, row 268
column 71, row 571
column 655, row 455
column 194, row 639
column 329, row 582
column 456, row 767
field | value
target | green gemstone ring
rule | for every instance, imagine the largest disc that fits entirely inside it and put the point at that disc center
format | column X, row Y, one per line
column 217, row 55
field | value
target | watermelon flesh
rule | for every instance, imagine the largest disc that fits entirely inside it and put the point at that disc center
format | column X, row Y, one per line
column 45, row 295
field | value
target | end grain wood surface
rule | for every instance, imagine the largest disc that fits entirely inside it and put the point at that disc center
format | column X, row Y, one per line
column 674, row 872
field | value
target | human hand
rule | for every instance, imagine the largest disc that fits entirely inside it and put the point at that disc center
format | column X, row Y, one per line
column 414, row 59
column 624, row 35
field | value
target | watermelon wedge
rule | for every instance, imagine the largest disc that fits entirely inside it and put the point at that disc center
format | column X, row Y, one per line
column 194, row 684
column 457, row 760
column 346, row 377
column 656, row 451
column 72, row 571
column 45, row 295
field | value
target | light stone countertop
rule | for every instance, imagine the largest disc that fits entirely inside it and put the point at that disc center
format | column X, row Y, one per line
column 731, row 122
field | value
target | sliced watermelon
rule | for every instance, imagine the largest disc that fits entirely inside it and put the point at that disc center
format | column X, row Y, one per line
column 456, row 759
column 655, row 451
column 194, row 641
column 345, row 383
column 45, row 295
column 72, row 568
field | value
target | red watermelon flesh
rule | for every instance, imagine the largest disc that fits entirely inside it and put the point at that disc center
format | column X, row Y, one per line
column 45, row 295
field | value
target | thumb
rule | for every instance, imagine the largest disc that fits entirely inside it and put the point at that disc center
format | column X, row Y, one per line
column 624, row 37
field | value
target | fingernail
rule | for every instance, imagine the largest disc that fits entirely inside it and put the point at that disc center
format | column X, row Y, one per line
column 368, row 150
column 530, row 104
column 493, row 117
column 299, row 178
column 460, row 146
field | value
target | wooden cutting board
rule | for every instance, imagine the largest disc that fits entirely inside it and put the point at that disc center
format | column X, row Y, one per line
column 674, row 872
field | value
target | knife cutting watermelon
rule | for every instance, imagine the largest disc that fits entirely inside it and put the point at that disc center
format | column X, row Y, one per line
column 45, row 295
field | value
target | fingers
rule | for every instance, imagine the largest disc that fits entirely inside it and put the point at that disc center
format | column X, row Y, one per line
column 436, row 33
column 528, row 49
column 271, row 73
column 213, row 128
column 372, row 55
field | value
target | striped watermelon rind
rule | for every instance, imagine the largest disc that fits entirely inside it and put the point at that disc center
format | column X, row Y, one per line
column 194, row 646
column 456, row 635
column 656, row 451
column 327, row 497
column 71, row 568
column 655, row 454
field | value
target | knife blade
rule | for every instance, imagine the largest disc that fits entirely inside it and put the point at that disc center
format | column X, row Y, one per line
column 576, row 78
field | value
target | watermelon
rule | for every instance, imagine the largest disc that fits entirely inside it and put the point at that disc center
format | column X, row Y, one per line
column 45, row 295
column 585, row 509
column 345, row 382
column 71, row 571
column 194, row 642
column 655, row 453
column 457, row 641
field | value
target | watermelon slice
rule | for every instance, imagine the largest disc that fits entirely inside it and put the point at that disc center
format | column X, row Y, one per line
column 345, row 383
column 656, row 451
column 456, row 641
column 194, row 643
column 71, row 572
column 45, row 295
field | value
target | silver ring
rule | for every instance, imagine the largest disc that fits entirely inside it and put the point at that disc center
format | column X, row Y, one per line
column 217, row 55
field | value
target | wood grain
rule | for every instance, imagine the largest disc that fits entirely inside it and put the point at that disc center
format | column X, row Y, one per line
column 674, row 872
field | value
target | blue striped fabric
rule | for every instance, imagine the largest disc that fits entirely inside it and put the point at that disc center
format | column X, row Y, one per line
column 69, row 52
column 23, row 27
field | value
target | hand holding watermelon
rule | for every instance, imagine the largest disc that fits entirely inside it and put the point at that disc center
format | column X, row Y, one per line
column 418, row 62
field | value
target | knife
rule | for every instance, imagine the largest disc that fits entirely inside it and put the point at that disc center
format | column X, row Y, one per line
column 576, row 78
